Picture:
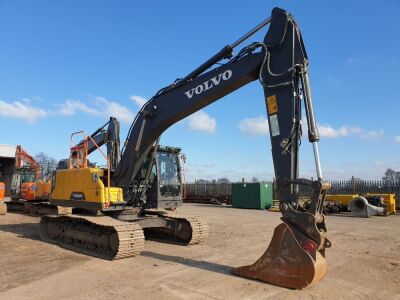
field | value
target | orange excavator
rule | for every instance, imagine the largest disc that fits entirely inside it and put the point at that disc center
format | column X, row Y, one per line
column 27, row 184
column 3, row 206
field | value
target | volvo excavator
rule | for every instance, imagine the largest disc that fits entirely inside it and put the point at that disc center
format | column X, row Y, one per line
column 153, row 199
column 125, row 195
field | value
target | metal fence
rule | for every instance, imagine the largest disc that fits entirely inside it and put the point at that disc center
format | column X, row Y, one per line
column 356, row 186
column 205, row 191
column 223, row 191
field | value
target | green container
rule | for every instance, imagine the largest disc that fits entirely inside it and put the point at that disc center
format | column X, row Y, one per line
column 252, row 195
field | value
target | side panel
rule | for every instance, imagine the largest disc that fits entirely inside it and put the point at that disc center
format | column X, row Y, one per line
column 28, row 190
column 43, row 188
column 79, row 184
column 83, row 188
column 246, row 195
column 266, row 194
column 2, row 191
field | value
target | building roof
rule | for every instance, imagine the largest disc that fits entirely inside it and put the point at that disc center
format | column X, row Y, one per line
column 8, row 151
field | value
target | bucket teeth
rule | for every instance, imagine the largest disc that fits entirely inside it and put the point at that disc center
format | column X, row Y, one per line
column 286, row 263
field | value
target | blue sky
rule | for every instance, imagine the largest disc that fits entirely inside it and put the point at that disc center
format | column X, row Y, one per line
column 69, row 65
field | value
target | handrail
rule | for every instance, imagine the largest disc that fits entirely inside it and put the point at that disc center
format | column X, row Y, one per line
column 85, row 145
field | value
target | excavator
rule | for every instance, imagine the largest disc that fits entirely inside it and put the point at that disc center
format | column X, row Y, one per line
column 29, row 189
column 3, row 206
column 27, row 170
column 123, row 192
column 158, row 192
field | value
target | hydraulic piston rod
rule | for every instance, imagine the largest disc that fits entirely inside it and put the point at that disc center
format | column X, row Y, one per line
column 225, row 52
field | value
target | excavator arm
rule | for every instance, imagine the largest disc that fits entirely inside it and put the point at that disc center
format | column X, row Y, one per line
column 108, row 135
column 296, row 255
column 177, row 102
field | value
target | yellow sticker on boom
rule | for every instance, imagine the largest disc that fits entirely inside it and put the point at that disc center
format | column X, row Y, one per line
column 272, row 106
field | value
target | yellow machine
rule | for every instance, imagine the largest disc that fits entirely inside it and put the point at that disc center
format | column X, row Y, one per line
column 38, row 190
column 85, row 185
column 43, row 189
column 388, row 199
column 344, row 200
column 119, row 226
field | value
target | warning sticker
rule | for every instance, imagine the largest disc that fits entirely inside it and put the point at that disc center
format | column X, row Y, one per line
column 272, row 107
column 273, row 121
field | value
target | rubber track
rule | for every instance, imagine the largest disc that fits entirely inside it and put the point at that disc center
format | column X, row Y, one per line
column 198, row 225
column 130, row 236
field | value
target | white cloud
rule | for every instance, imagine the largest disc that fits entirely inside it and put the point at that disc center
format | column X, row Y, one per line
column 71, row 107
column 97, row 106
column 21, row 110
column 140, row 101
column 100, row 107
column 372, row 134
column 328, row 131
column 201, row 121
column 397, row 139
column 254, row 126
column 114, row 109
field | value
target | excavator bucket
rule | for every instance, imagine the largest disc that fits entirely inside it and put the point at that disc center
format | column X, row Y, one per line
column 291, row 260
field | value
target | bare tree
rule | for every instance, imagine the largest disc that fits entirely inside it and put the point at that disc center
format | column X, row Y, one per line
column 223, row 180
column 47, row 164
column 391, row 175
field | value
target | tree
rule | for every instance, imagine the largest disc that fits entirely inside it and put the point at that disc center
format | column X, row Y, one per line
column 391, row 175
column 47, row 164
column 223, row 180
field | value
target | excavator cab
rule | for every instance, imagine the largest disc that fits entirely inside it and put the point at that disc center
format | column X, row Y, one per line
column 165, row 181
column 22, row 180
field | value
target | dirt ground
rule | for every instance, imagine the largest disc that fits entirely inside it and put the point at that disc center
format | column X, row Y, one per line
column 364, row 262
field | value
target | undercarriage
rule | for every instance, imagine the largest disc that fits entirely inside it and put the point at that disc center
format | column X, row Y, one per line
column 121, row 235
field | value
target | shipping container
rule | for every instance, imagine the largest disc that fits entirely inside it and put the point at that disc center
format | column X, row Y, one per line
column 252, row 195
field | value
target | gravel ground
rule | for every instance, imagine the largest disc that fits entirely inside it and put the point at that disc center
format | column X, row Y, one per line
column 364, row 262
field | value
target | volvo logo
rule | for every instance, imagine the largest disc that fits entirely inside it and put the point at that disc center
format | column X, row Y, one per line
column 216, row 80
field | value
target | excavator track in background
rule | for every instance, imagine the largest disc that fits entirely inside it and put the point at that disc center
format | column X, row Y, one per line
column 37, row 208
column 189, row 230
column 45, row 208
column 98, row 236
